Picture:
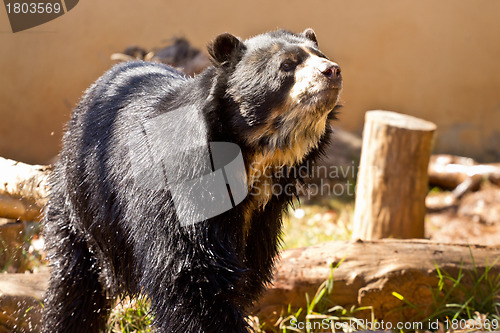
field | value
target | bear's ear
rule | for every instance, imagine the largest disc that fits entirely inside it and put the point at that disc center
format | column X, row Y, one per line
column 223, row 46
column 309, row 34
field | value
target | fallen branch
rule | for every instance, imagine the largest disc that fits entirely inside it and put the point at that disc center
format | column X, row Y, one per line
column 462, row 174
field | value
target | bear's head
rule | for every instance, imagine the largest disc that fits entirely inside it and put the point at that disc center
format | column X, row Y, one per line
column 283, row 89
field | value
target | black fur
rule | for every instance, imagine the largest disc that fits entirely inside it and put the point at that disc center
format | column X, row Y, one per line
column 107, row 235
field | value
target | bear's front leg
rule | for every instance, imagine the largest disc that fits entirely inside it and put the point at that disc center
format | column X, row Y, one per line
column 193, row 311
column 196, row 281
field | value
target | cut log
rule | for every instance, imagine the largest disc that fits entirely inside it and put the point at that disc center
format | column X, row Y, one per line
column 392, row 179
column 369, row 273
column 23, row 189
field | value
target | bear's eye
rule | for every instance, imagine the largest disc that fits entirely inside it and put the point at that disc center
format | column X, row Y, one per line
column 287, row 65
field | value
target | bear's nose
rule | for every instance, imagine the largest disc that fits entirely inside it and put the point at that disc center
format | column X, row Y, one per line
column 331, row 71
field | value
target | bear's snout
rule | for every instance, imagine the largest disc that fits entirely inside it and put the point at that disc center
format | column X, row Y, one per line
column 331, row 71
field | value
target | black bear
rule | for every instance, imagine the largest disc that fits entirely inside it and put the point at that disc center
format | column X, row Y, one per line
column 173, row 187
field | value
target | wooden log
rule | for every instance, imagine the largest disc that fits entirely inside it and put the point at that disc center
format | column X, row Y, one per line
column 19, row 208
column 392, row 180
column 369, row 273
column 23, row 189
column 23, row 180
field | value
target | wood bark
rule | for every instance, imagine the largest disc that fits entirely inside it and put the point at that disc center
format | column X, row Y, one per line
column 23, row 189
column 369, row 273
column 392, row 180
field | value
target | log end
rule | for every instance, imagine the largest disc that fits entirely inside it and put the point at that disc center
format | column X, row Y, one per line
column 399, row 120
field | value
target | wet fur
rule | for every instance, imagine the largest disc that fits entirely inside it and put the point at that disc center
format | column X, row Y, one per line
column 108, row 237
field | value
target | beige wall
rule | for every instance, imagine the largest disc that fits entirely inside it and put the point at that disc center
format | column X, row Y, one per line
column 439, row 60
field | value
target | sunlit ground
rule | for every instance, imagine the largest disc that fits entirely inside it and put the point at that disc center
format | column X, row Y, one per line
column 317, row 221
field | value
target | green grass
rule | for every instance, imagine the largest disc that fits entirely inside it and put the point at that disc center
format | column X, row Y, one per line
column 4, row 248
column 130, row 316
column 18, row 259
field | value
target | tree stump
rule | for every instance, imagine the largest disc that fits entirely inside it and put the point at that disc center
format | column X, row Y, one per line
column 392, row 179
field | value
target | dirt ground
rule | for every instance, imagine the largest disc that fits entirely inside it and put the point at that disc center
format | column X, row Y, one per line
column 475, row 219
